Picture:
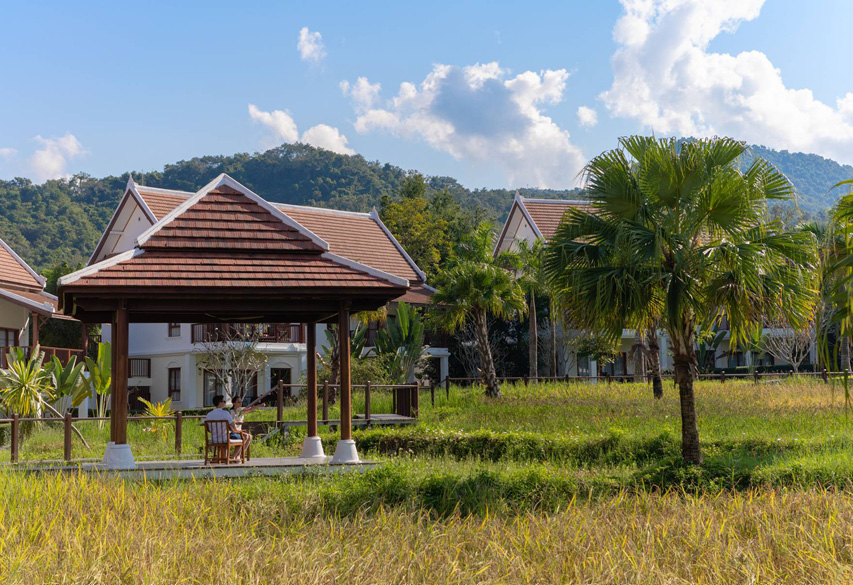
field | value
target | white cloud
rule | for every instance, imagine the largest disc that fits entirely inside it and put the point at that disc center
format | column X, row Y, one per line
column 362, row 93
column 50, row 161
column 284, row 129
column 310, row 45
column 323, row 136
column 587, row 117
column 665, row 77
column 7, row 152
column 479, row 114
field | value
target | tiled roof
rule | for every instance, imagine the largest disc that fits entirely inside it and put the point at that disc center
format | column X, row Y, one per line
column 547, row 214
column 227, row 238
column 356, row 236
column 39, row 301
column 161, row 203
column 190, row 269
column 14, row 272
column 417, row 295
column 209, row 224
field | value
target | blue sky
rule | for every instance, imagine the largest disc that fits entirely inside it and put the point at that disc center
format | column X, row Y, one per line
column 495, row 89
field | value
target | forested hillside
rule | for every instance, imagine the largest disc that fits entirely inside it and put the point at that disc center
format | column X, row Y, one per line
column 60, row 221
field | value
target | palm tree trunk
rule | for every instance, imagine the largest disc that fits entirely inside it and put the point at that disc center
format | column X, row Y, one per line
column 684, row 356
column 639, row 356
column 654, row 357
column 554, row 373
column 487, row 364
column 533, row 341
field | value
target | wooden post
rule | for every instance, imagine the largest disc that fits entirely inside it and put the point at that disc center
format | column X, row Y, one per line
column 179, row 432
column 432, row 393
column 367, row 401
column 13, row 457
column 345, row 374
column 84, row 341
column 416, row 398
column 118, row 403
column 35, row 333
column 755, row 376
column 67, row 437
column 723, row 377
column 326, row 401
column 607, row 377
column 279, row 402
column 525, row 381
column 311, row 380
column 825, row 375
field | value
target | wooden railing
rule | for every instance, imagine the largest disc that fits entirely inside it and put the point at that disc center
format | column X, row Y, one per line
column 63, row 353
column 266, row 332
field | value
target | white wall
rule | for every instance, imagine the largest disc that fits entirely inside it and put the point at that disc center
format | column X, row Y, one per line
column 16, row 317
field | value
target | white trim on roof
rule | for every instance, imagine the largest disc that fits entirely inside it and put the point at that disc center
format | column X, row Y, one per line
column 374, row 214
column 39, row 278
column 219, row 181
column 132, row 187
column 98, row 266
column 365, row 268
column 527, row 216
column 47, row 307
column 163, row 191
column 322, row 209
column 132, row 190
column 557, row 201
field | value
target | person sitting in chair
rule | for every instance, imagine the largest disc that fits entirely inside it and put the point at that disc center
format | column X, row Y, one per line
column 238, row 413
column 219, row 413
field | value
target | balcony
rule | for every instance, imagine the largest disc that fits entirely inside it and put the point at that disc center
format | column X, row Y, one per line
column 139, row 368
column 266, row 332
column 63, row 353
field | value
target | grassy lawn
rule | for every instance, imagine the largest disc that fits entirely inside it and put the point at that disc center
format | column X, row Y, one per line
column 552, row 483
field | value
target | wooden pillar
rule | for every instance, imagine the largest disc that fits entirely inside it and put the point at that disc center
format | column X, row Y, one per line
column 84, row 340
column 118, row 405
column 345, row 374
column 36, row 322
column 311, row 378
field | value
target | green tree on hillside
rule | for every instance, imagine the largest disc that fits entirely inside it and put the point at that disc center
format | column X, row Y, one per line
column 678, row 230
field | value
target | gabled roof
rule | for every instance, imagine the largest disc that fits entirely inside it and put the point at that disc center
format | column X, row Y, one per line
column 361, row 237
column 542, row 215
column 15, row 272
column 225, row 237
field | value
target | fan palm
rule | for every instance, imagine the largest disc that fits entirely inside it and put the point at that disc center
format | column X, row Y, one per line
column 402, row 340
column 531, row 277
column 475, row 285
column 677, row 230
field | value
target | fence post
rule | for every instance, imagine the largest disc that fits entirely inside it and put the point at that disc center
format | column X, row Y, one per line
column 607, row 377
column 525, row 381
column 432, row 393
column 326, row 401
column 825, row 375
column 367, row 401
column 179, row 432
column 755, row 376
column 279, row 402
column 14, row 440
column 416, row 398
column 67, row 437
column 723, row 377
column 567, row 378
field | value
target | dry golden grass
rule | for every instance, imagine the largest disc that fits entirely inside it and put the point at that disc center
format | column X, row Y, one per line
column 84, row 530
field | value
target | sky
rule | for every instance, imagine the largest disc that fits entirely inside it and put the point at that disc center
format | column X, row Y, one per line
column 495, row 94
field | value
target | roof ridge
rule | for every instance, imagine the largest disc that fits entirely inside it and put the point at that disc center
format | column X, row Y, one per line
column 560, row 201
column 164, row 191
column 320, row 209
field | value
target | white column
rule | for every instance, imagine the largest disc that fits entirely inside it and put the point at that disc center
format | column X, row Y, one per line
column 443, row 368
column 188, row 385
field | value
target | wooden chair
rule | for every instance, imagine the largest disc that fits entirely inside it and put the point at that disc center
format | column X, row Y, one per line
column 218, row 444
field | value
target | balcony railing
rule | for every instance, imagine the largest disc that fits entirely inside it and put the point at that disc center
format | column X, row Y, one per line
column 139, row 368
column 63, row 353
column 266, row 332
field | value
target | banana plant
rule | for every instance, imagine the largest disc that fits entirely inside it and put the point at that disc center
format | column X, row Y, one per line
column 100, row 378
column 68, row 383
column 402, row 340
column 27, row 389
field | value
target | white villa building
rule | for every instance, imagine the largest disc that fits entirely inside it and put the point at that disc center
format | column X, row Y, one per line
column 164, row 356
column 538, row 219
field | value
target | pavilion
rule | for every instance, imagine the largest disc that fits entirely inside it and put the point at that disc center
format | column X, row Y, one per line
column 227, row 255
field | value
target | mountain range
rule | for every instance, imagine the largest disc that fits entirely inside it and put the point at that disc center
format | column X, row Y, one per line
column 60, row 221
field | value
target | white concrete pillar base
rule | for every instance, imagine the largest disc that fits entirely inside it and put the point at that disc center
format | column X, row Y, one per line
column 312, row 448
column 345, row 452
column 118, row 456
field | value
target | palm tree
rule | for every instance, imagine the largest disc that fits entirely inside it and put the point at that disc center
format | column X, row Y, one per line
column 532, row 279
column 475, row 285
column 676, row 229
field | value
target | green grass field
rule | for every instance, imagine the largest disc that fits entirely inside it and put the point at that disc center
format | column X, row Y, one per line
column 553, row 483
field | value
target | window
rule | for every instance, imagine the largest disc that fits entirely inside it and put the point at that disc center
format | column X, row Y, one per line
column 175, row 384
column 736, row 359
column 212, row 387
column 8, row 337
column 762, row 359
column 618, row 367
column 583, row 365
column 174, row 329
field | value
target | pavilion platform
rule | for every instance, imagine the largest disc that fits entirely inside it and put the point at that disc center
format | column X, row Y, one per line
column 152, row 470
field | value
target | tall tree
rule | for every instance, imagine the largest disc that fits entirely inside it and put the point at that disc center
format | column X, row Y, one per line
column 475, row 285
column 678, row 229
column 532, row 279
